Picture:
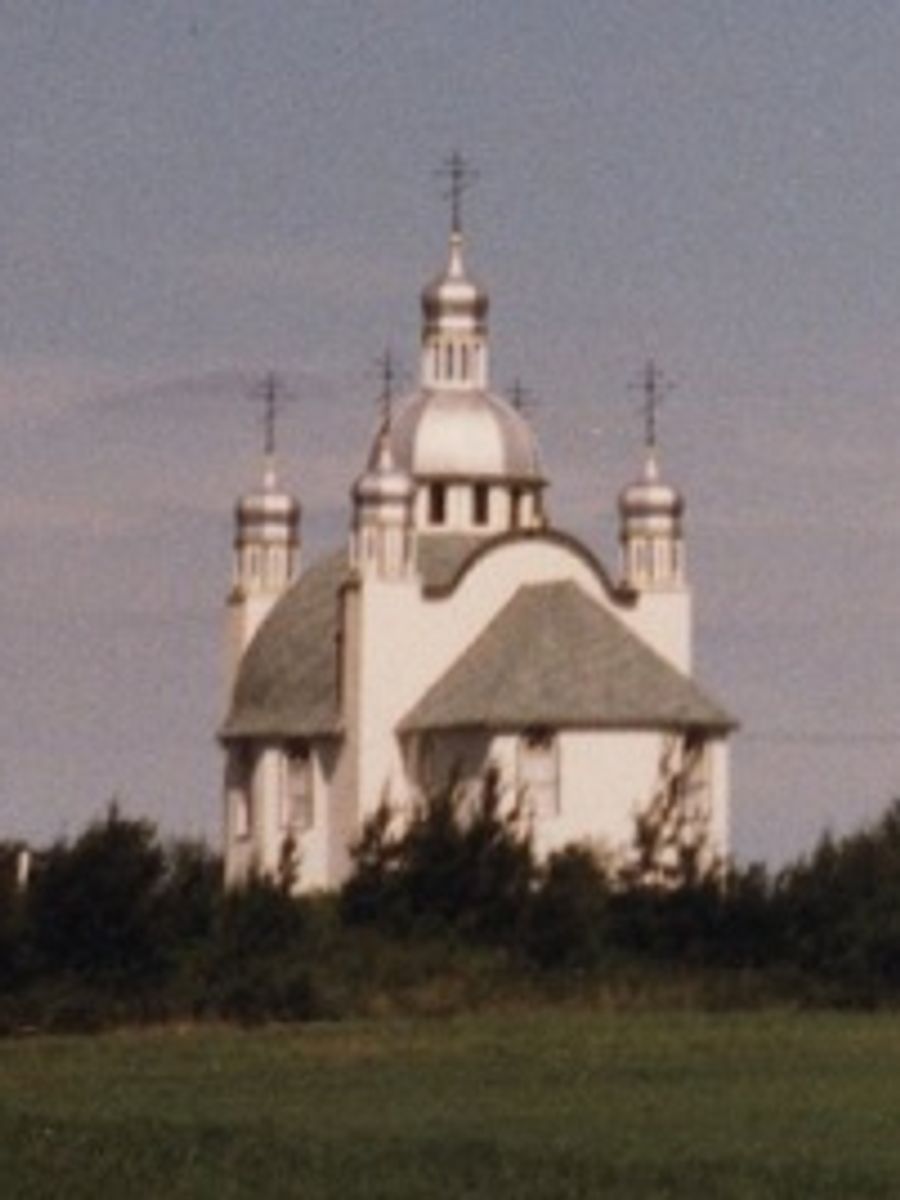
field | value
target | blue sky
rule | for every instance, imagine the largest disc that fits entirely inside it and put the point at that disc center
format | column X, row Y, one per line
column 193, row 193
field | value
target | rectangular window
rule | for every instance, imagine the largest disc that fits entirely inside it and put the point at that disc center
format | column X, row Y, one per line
column 239, row 785
column 297, row 812
column 480, row 504
column 241, row 813
column 539, row 772
column 437, row 503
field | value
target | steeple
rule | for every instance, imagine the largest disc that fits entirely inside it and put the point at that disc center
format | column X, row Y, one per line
column 651, row 511
column 454, row 306
column 267, row 537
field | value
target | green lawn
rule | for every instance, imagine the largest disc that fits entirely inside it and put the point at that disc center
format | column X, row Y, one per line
column 551, row 1104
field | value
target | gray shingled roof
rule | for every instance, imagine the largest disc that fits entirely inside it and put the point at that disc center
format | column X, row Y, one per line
column 440, row 557
column 287, row 682
column 582, row 667
column 554, row 657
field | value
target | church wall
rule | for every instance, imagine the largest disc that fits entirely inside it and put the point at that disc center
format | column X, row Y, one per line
column 663, row 620
column 720, row 785
column 404, row 643
column 603, row 780
column 388, row 637
column 605, row 777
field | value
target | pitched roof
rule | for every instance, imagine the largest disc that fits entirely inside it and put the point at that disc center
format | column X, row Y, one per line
column 554, row 657
column 287, row 682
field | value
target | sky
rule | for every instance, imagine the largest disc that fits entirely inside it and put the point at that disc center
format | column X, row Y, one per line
column 195, row 192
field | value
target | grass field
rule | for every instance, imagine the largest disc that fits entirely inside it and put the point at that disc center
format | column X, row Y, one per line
column 539, row 1104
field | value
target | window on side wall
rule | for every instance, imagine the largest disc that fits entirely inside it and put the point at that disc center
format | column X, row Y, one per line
column 240, row 778
column 298, row 813
column 539, row 772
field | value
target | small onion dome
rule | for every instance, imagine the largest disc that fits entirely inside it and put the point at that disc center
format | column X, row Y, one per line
column 267, row 511
column 383, row 483
column 445, row 434
column 649, row 501
column 454, row 300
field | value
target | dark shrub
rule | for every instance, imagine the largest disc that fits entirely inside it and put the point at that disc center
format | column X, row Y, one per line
column 92, row 908
column 839, row 908
column 461, row 863
column 568, row 918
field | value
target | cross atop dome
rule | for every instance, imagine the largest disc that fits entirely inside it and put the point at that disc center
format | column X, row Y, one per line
column 654, row 388
column 460, row 176
column 271, row 395
column 387, row 367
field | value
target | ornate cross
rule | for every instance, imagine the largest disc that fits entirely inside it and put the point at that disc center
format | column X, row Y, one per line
column 271, row 395
column 654, row 388
column 460, row 177
column 389, row 376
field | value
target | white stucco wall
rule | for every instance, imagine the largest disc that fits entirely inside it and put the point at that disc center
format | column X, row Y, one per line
column 605, row 779
column 663, row 619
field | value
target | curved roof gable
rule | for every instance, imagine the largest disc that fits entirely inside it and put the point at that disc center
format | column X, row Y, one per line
column 446, row 559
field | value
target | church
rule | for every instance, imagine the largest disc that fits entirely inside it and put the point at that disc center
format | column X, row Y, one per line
column 459, row 631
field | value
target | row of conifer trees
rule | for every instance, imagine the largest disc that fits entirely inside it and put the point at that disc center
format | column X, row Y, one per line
column 450, row 911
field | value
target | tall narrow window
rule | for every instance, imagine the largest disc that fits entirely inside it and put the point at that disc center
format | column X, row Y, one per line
column 297, row 811
column 242, row 815
column 437, row 503
column 539, row 772
column 239, row 783
column 449, row 362
column 480, row 504
column 464, row 363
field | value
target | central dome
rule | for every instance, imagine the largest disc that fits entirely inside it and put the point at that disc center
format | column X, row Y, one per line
column 456, row 434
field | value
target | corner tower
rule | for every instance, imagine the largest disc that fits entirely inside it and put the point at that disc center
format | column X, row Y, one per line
column 266, row 545
column 651, row 538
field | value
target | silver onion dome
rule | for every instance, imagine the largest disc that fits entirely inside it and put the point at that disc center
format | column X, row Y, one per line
column 457, row 434
column 453, row 301
column 650, row 500
column 383, row 482
column 267, row 508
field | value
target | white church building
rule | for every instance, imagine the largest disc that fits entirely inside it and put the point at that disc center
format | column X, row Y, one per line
column 459, row 630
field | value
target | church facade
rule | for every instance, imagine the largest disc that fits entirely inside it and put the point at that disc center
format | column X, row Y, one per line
column 459, row 631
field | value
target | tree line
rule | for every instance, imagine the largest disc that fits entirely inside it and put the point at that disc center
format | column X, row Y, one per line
column 448, row 910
